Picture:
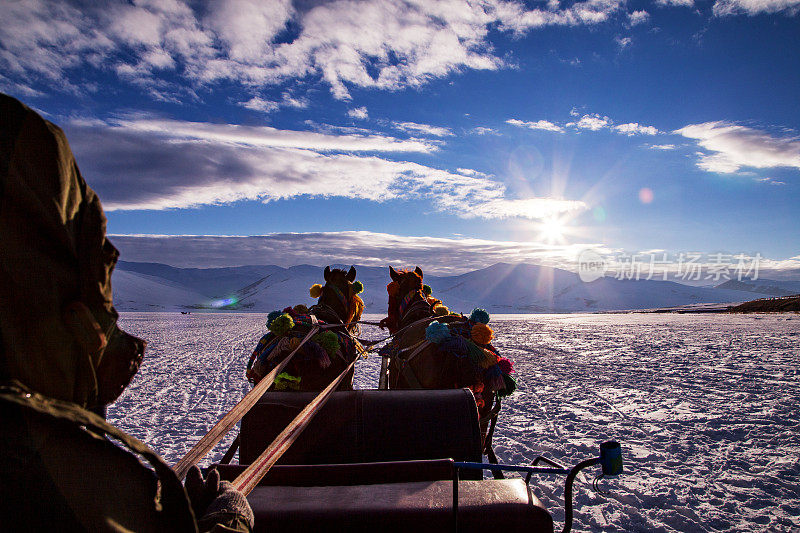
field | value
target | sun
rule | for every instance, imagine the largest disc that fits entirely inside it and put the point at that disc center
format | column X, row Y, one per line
column 551, row 230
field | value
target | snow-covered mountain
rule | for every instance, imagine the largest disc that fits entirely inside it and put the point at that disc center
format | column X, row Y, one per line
column 141, row 292
column 500, row 288
column 763, row 286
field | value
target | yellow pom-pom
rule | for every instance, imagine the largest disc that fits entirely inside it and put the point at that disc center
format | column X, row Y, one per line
column 482, row 334
column 440, row 310
column 315, row 291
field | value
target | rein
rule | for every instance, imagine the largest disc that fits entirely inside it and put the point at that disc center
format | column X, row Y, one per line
column 232, row 417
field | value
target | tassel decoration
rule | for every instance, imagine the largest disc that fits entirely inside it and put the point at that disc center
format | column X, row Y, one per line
column 494, row 379
column 510, row 386
column 455, row 344
column 474, row 352
column 489, row 359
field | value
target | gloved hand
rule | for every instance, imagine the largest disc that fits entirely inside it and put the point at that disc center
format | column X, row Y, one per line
column 214, row 501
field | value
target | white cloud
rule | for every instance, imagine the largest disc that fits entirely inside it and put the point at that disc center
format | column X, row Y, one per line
column 538, row 125
column 623, row 42
column 382, row 44
column 359, row 113
column 259, row 104
column 178, row 130
column 154, row 164
column 770, row 181
column 679, row 3
column 436, row 255
column 736, row 146
column 425, row 129
column 634, row 128
column 662, row 146
column 248, row 27
column 514, row 16
column 754, row 7
column 593, row 122
column 638, row 17
column 269, row 106
column 482, row 130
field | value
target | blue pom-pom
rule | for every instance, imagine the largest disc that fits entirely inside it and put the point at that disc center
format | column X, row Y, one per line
column 437, row 332
column 479, row 315
column 272, row 316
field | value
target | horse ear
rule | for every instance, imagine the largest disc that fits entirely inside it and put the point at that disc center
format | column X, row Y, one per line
column 351, row 274
column 394, row 275
column 327, row 273
column 418, row 270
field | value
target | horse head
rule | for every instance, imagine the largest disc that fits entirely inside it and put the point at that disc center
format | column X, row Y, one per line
column 340, row 294
column 407, row 300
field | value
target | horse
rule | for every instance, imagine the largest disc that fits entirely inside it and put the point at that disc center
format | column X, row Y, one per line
column 417, row 364
column 322, row 358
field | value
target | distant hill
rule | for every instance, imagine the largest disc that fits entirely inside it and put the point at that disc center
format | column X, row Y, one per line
column 769, row 305
column 500, row 288
column 763, row 286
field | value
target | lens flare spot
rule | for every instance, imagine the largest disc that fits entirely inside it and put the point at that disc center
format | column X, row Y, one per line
column 225, row 302
column 646, row 195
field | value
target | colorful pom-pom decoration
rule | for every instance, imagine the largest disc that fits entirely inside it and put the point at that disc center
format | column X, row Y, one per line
column 479, row 315
column 286, row 381
column 328, row 340
column 426, row 290
column 440, row 310
column 281, row 325
column 437, row 332
column 272, row 316
column 481, row 333
column 300, row 309
column 315, row 291
column 505, row 364
column 358, row 287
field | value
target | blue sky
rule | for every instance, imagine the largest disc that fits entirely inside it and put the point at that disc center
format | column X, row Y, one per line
column 407, row 132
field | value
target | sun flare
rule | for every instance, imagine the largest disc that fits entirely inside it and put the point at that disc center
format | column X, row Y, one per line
column 551, row 230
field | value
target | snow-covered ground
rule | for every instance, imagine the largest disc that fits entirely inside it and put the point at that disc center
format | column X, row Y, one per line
column 705, row 406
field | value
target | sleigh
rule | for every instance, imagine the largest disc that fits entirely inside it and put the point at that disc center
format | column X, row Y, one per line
column 386, row 460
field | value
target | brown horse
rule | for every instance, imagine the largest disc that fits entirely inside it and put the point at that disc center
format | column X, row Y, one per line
column 416, row 365
column 338, row 303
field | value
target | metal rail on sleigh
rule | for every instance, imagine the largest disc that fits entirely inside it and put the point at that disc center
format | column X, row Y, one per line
column 610, row 461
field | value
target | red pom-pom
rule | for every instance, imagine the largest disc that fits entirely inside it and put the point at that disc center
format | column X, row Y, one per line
column 505, row 364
